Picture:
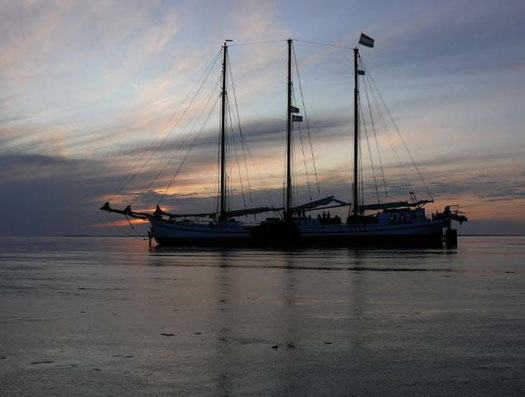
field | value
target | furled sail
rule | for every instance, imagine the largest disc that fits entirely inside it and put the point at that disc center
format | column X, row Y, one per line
column 397, row 204
column 317, row 203
column 251, row 211
column 243, row 212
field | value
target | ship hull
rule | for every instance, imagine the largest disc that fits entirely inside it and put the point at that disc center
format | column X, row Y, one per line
column 313, row 234
column 427, row 233
column 298, row 233
column 429, row 228
column 171, row 233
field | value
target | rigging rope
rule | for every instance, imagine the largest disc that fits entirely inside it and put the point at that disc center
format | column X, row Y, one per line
column 118, row 228
column 234, row 144
column 240, row 130
column 324, row 44
column 304, row 155
column 304, row 160
column 256, row 42
column 192, row 144
column 178, row 148
column 306, row 120
column 246, row 149
column 375, row 136
column 369, row 150
column 390, row 141
column 383, row 121
column 205, row 73
column 294, row 169
column 400, row 136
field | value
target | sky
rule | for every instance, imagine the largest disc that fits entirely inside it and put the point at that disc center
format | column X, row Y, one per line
column 94, row 93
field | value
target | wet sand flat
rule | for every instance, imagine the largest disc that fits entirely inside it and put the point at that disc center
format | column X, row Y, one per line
column 108, row 316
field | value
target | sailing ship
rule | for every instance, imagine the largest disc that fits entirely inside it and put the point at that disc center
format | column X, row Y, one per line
column 387, row 222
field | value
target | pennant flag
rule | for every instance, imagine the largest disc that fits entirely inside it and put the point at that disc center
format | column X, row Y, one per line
column 361, row 72
column 297, row 118
column 366, row 40
column 293, row 109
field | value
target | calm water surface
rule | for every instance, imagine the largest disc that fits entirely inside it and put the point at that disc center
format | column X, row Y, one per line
column 108, row 316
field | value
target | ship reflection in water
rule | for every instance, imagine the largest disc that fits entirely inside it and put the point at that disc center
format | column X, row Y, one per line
column 107, row 316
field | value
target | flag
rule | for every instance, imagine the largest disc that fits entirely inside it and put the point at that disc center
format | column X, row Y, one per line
column 366, row 40
column 361, row 72
column 293, row 109
column 297, row 118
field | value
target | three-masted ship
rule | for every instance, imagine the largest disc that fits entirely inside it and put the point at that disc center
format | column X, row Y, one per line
column 402, row 222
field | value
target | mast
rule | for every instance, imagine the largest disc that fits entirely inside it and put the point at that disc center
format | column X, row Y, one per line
column 223, row 209
column 356, row 134
column 287, row 212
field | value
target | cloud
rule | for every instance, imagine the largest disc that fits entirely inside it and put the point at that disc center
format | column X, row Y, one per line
column 260, row 134
column 38, row 160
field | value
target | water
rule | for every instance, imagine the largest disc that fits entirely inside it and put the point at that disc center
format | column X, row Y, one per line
column 86, row 316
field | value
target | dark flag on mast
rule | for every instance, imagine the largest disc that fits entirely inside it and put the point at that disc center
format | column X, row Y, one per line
column 366, row 40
